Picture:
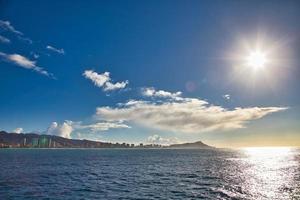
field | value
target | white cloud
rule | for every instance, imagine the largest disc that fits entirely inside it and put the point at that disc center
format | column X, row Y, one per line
column 24, row 62
column 188, row 115
column 6, row 25
column 18, row 130
column 4, row 39
column 35, row 55
column 60, row 51
column 103, row 126
column 63, row 130
column 156, row 139
column 226, row 96
column 114, row 86
column 20, row 60
column 68, row 127
column 104, row 80
column 151, row 92
column 97, row 79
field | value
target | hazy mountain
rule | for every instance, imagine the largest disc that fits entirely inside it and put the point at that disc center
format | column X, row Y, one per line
column 194, row 145
column 50, row 141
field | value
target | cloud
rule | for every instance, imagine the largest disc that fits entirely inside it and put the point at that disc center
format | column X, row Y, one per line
column 68, row 127
column 6, row 25
column 151, row 92
column 156, row 139
column 63, row 130
column 186, row 115
column 35, row 55
column 24, row 62
column 18, row 130
column 103, row 126
column 60, row 51
column 4, row 39
column 226, row 96
column 115, row 86
column 25, row 39
column 104, row 80
column 98, row 79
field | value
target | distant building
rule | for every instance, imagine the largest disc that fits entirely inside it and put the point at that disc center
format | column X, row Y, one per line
column 24, row 142
column 43, row 142
column 35, row 142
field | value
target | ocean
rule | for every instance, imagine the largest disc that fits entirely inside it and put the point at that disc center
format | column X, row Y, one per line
column 254, row 173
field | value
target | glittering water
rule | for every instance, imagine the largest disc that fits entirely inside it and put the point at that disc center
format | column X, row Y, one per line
column 261, row 173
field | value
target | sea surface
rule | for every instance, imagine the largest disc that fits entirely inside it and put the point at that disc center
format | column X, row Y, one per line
column 254, row 173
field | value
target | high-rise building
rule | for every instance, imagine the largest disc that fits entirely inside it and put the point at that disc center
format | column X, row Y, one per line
column 24, row 142
column 35, row 142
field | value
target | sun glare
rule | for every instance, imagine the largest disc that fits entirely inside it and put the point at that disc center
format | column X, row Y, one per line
column 267, row 150
column 256, row 59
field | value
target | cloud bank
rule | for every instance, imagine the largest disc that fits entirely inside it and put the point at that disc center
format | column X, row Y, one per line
column 186, row 115
column 104, row 81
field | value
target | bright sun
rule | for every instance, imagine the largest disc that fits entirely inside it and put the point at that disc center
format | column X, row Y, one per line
column 256, row 59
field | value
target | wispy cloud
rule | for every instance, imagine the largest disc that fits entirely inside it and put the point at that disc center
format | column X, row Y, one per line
column 4, row 39
column 24, row 62
column 104, row 80
column 6, row 25
column 226, row 96
column 26, row 39
column 35, row 55
column 101, row 126
column 60, row 51
column 187, row 115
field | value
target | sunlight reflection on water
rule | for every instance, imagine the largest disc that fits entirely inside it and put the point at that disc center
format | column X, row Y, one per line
column 270, row 172
column 212, row 174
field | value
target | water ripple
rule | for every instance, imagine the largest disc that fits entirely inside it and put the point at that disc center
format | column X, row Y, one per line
column 149, row 174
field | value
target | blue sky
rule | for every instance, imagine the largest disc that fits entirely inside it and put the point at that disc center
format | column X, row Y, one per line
column 161, row 56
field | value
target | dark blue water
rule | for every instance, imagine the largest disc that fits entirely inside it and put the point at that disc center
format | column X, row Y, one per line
column 149, row 174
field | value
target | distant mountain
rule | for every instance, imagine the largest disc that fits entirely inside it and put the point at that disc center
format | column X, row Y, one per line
column 194, row 145
column 32, row 140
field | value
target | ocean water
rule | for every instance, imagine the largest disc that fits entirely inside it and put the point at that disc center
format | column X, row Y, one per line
column 261, row 173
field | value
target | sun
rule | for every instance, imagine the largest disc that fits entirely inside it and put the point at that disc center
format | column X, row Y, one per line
column 256, row 59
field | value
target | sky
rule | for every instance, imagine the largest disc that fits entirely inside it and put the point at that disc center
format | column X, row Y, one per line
column 223, row 72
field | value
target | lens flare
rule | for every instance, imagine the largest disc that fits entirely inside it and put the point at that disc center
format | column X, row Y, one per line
column 256, row 59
